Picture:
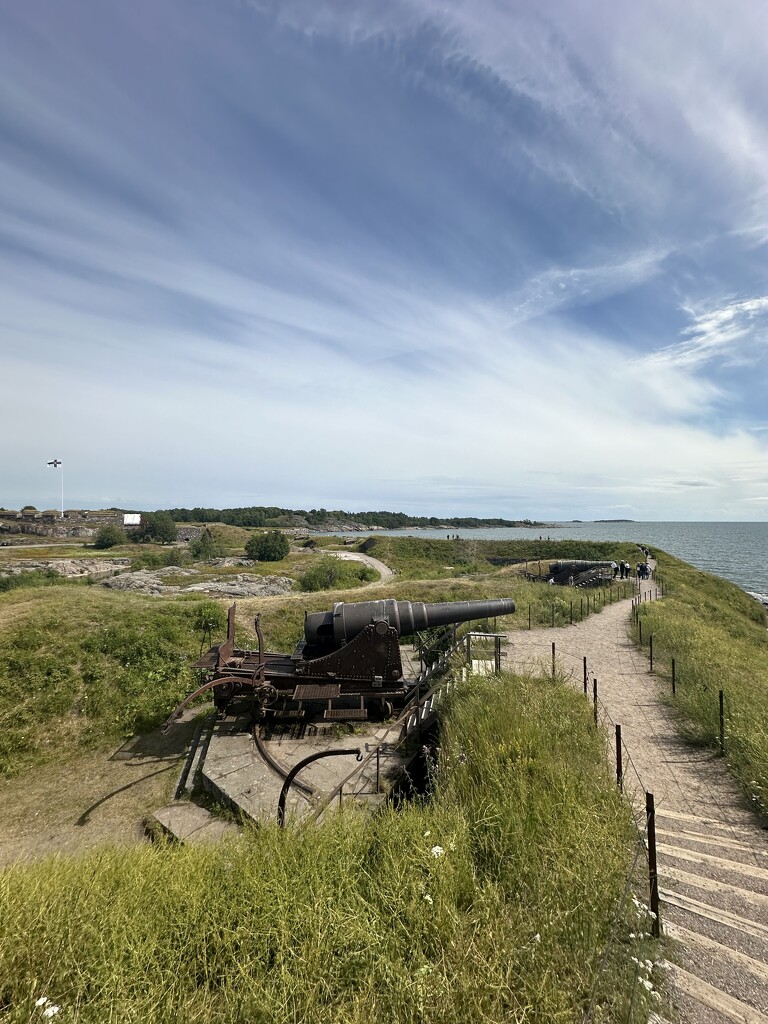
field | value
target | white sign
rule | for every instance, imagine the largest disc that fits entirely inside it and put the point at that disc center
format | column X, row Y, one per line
column 131, row 519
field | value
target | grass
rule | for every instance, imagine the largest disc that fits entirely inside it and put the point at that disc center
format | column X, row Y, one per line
column 80, row 666
column 486, row 903
column 717, row 635
column 421, row 558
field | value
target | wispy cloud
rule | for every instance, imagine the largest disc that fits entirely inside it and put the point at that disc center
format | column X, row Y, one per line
column 735, row 333
column 478, row 249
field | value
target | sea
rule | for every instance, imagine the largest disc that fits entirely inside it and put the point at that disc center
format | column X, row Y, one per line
column 736, row 551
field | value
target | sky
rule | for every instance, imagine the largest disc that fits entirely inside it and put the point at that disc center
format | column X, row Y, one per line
column 476, row 259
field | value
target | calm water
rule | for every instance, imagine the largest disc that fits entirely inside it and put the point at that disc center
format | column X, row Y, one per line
column 735, row 551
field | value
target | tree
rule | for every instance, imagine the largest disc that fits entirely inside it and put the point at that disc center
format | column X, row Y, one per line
column 268, row 547
column 157, row 526
column 108, row 537
column 204, row 547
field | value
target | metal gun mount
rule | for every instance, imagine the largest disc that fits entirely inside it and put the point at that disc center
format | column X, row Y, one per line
column 352, row 651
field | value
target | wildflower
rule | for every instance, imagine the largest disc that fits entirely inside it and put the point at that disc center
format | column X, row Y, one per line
column 428, row 899
column 437, row 851
column 427, row 833
column 632, row 935
column 42, row 1001
column 51, row 1010
column 537, row 937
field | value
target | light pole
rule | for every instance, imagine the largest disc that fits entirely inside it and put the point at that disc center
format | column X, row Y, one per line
column 56, row 463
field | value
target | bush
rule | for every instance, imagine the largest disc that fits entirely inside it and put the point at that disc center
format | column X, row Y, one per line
column 268, row 547
column 157, row 526
column 109, row 537
column 330, row 573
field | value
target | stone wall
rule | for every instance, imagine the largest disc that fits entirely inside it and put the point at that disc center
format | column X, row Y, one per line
column 49, row 523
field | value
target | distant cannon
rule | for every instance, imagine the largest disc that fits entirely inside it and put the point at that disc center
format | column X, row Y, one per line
column 351, row 651
column 581, row 571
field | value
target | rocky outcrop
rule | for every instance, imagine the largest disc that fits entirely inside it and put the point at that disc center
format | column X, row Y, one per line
column 150, row 581
column 70, row 568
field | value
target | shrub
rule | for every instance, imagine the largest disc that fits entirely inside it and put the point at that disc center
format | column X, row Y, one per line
column 268, row 547
column 157, row 526
column 109, row 537
column 330, row 573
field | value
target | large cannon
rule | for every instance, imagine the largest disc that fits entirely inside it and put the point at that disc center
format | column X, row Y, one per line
column 352, row 651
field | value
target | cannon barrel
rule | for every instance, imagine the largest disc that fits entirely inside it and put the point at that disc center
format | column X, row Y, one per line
column 343, row 624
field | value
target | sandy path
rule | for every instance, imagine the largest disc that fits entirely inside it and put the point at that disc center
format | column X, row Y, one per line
column 713, row 854
column 682, row 778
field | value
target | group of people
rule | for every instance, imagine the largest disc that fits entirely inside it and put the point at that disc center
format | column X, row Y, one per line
column 624, row 570
column 621, row 569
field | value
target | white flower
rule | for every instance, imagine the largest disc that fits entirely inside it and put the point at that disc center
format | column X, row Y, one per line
column 437, row 851
column 41, row 1001
column 427, row 833
column 51, row 1010
column 537, row 937
column 428, row 899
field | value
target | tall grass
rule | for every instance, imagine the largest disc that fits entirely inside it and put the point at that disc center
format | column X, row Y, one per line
column 492, row 902
column 717, row 635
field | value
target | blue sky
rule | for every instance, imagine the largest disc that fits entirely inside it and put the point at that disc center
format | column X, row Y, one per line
column 474, row 259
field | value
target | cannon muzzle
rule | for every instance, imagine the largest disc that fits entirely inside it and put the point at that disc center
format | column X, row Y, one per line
column 338, row 627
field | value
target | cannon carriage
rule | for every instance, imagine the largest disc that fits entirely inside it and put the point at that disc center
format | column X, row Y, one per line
column 348, row 660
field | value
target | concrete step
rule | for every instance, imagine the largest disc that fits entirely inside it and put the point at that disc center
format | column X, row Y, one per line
column 728, row 1007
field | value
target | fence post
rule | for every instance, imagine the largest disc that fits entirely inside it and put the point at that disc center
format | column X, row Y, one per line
column 722, row 723
column 653, row 875
column 650, row 653
column 619, row 766
column 378, row 765
column 585, row 675
column 640, row 627
column 673, row 677
column 497, row 653
column 553, row 659
column 469, row 651
column 594, row 699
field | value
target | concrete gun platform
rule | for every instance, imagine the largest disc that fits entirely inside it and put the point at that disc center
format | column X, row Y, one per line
column 237, row 771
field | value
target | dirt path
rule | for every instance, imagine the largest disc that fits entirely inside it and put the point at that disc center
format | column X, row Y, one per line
column 97, row 797
column 355, row 556
column 713, row 854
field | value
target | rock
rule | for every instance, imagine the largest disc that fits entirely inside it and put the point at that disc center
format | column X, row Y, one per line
column 70, row 568
column 149, row 581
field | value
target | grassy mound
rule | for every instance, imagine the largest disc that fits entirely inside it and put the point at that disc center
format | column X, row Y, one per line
column 81, row 666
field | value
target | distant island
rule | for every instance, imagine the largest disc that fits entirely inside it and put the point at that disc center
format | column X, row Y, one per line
column 320, row 519
column 615, row 520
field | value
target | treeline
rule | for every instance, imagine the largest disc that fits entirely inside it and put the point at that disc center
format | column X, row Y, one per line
column 317, row 518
